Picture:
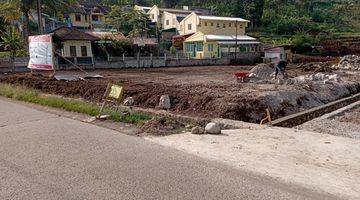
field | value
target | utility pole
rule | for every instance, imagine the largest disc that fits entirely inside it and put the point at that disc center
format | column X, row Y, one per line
column 236, row 39
column 40, row 24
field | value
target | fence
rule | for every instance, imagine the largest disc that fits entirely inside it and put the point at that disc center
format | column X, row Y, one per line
column 178, row 60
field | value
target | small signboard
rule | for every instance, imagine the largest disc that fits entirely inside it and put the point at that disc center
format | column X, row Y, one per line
column 115, row 92
column 41, row 52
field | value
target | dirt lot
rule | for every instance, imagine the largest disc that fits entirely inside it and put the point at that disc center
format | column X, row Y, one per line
column 210, row 91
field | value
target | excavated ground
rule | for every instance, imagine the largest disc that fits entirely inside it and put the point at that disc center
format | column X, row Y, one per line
column 210, row 91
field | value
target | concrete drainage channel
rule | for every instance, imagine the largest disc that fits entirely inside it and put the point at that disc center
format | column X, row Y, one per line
column 307, row 115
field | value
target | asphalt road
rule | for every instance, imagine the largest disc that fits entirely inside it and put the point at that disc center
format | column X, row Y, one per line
column 45, row 156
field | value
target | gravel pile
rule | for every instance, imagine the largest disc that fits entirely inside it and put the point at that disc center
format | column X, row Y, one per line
column 349, row 62
column 262, row 71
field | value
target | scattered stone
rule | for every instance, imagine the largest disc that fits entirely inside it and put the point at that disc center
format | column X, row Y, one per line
column 165, row 102
column 129, row 101
column 197, row 130
column 213, row 128
column 349, row 62
column 318, row 77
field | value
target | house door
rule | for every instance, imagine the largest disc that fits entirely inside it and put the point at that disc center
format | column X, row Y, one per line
column 219, row 51
column 193, row 50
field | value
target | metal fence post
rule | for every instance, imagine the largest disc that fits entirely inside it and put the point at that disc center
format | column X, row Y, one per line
column 138, row 59
column 151, row 60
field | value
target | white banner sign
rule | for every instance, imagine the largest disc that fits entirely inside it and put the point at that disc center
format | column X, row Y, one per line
column 41, row 52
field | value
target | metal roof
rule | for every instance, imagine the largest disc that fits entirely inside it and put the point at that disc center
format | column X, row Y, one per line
column 223, row 18
column 229, row 37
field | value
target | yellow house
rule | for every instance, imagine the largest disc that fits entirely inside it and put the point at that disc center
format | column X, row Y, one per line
column 167, row 18
column 214, row 37
column 212, row 25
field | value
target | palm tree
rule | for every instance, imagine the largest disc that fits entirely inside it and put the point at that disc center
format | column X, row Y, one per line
column 12, row 42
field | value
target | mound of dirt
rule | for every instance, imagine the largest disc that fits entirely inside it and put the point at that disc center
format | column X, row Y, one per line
column 88, row 90
column 161, row 126
column 316, row 67
column 205, row 93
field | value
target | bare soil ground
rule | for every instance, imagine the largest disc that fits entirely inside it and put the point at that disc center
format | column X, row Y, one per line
column 209, row 91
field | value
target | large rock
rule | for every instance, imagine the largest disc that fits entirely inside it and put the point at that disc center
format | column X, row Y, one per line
column 213, row 128
column 165, row 102
column 197, row 130
column 129, row 101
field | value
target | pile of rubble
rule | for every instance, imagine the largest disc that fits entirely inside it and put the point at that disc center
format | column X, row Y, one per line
column 261, row 71
column 349, row 62
column 316, row 67
column 318, row 77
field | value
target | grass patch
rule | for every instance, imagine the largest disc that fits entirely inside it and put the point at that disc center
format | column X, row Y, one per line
column 32, row 96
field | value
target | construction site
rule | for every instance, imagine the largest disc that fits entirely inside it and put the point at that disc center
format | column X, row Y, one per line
column 209, row 92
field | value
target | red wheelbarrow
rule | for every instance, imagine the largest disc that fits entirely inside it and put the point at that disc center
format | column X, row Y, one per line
column 242, row 77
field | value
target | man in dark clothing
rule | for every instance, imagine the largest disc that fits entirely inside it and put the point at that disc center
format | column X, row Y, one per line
column 280, row 68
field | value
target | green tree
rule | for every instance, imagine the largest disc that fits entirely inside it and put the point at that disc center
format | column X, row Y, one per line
column 130, row 22
column 11, row 41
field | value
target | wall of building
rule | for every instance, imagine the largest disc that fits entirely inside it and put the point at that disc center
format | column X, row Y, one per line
column 77, row 44
column 84, row 22
column 154, row 14
column 217, row 27
column 184, row 28
column 210, row 27
column 171, row 18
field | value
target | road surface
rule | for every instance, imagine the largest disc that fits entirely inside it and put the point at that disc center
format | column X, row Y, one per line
column 46, row 156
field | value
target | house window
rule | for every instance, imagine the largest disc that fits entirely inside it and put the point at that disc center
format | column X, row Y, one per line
column 83, row 51
column 73, row 51
column 189, row 47
column 224, row 26
column 218, row 25
column 78, row 18
column 205, row 23
column 199, row 25
column 95, row 18
column 199, row 46
column 167, row 22
column 152, row 16
column 189, row 27
column 212, row 24
column 229, row 24
column 210, row 47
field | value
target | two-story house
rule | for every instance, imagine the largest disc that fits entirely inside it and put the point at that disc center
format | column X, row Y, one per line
column 87, row 14
column 215, row 36
column 167, row 18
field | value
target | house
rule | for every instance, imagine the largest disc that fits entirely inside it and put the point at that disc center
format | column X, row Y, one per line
column 167, row 18
column 73, row 45
column 214, row 37
column 273, row 54
column 87, row 14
